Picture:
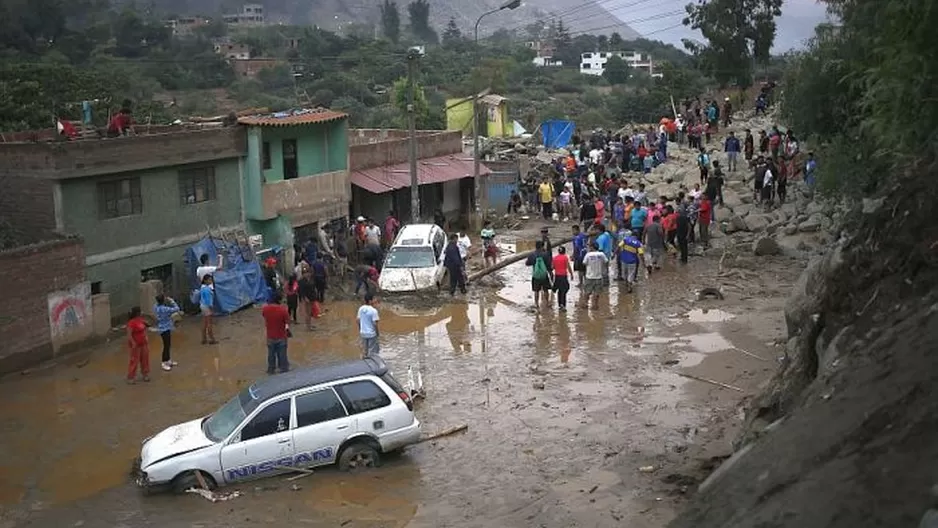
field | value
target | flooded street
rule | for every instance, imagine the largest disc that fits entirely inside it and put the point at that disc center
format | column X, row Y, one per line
column 580, row 418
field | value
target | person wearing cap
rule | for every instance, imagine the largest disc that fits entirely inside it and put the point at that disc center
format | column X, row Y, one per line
column 727, row 112
column 359, row 232
column 368, row 327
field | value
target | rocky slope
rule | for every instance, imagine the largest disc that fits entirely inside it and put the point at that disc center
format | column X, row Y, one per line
column 846, row 434
column 588, row 17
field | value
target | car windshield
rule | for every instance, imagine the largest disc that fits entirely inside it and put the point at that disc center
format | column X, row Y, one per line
column 222, row 422
column 410, row 257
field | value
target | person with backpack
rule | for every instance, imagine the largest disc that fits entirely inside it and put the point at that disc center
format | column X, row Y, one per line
column 703, row 163
column 541, row 272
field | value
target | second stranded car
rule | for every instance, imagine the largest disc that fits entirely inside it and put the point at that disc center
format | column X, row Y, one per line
column 348, row 413
column 414, row 261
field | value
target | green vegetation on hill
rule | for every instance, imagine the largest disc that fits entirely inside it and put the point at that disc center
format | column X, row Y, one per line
column 57, row 54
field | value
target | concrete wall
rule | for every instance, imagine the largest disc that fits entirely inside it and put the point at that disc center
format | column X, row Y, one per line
column 359, row 136
column 30, row 275
column 28, row 205
column 78, row 159
column 395, row 151
column 321, row 147
column 163, row 215
column 305, row 200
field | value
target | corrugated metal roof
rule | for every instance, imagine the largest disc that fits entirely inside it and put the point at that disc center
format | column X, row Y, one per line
column 430, row 170
column 299, row 116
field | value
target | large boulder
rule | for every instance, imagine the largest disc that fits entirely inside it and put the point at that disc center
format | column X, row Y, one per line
column 813, row 208
column 764, row 246
column 735, row 223
column 743, row 210
column 731, row 198
column 757, row 222
column 812, row 224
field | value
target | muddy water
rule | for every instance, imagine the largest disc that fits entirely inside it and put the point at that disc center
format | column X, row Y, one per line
column 562, row 408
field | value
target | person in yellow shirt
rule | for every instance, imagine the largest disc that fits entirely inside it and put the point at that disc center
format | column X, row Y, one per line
column 546, row 193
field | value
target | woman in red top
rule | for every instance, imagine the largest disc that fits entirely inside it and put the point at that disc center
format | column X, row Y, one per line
column 704, row 215
column 669, row 222
column 562, row 271
column 642, row 151
column 138, row 345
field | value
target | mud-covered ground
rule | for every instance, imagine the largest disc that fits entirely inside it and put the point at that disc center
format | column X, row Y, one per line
column 575, row 419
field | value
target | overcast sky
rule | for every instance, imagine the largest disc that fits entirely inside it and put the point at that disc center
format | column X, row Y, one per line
column 799, row 17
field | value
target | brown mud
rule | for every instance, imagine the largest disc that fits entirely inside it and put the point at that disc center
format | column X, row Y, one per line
column 575, row 419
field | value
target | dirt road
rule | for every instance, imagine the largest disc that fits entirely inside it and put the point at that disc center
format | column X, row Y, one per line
column 575, row 419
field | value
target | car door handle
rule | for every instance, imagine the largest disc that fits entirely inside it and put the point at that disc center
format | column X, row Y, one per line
column 284, row 441
column 339, row 428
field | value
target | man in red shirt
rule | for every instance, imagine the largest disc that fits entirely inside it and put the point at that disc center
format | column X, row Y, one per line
column 121, row 123
column 277, row 322
column 139, row 346
column 704, row 215
column 562, row 271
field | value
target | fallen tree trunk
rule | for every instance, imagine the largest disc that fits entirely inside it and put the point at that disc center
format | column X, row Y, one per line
column 517, row 257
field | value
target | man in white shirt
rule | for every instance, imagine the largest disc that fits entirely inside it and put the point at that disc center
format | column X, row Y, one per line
column 368, row 327
column 372, row 233
column 595, row 262
column 596, row 156
column 205, row 269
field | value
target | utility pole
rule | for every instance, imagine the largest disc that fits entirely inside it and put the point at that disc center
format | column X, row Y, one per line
column 412, row 57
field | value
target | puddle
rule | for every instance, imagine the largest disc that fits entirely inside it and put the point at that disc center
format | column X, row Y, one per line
column 705, row 315
column 707, row 343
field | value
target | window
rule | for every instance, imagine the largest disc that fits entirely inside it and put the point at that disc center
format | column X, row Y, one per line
column 118, row 198
column 197, row 185
column 272, row 419
column 362, row 396
column 585, row 66
column 410, row 257
column 317, row 407
column 265, row 155
column 587, row 55
column 95, row 288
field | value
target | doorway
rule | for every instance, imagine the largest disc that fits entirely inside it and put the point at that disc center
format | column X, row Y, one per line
column 290, row 165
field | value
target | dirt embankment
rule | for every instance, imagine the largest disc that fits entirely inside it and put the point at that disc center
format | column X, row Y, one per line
column 847, row 432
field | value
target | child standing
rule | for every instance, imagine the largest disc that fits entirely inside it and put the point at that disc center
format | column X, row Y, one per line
column 165, row 309
column 139, row 347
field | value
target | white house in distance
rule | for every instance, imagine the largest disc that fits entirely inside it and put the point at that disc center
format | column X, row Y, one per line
column 594, row 62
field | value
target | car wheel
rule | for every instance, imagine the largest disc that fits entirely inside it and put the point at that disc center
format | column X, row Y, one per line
column 189, row 480
column 358, row 456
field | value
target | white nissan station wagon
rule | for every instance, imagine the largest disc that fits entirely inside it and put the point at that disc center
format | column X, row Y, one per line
column 347, row 413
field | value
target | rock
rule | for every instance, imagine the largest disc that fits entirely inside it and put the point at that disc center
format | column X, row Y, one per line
column 735, row 223
column 758, row 222
column 539, row 385
column 813, row 208
column 731, row 199
column 745, row 198
column 790, row 209
column 765, row 246
column 870, row 205
column 790, row 229
column 811, row 225
column 743, row 210
column 826, row 223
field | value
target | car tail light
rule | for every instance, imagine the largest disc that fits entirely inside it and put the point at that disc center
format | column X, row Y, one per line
column 406, row 397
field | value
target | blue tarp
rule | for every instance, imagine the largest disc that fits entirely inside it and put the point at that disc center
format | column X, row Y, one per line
column 557, row 133
column 238, row 284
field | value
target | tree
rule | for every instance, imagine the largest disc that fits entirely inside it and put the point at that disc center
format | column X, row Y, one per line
column 391, row 21
column 602, row 43
column 418, row 13
column 616, row 42
column 737, row 32
column 400, row 93
column 616, row 70
column 452, row 35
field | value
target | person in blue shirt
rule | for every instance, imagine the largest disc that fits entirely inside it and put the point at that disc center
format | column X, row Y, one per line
column 810, row 169
column 207, row 306
column 455, row 266
column 732, row 149
column 579, row 251
column 605, row 244
column 639, row 217
column 164, row 310
column 630, row 253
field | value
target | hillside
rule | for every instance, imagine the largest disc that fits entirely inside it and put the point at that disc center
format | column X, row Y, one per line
column 590, row 17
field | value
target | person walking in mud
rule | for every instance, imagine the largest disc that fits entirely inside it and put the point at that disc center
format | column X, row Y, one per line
column 541, row 274
column 138, row 346
column 165, row 309
column 307, row 295
column 207, row 307
column 368, row 327
column 277, row 328
column 455, row 265
column 489, row 249
column 562, row 271
column 596, row 262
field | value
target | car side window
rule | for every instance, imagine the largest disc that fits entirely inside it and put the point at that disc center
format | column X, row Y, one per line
column 272, row 419
column 362, row 396
column 317, row 407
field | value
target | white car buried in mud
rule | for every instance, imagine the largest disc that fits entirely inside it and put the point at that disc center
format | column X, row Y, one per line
column 348, row 413
column 415, row 260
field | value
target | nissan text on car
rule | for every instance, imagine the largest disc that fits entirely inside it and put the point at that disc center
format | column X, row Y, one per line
column 415, row 260
column 349, row 413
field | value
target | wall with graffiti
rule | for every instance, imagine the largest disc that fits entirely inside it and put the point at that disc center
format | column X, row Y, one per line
column 70, row 314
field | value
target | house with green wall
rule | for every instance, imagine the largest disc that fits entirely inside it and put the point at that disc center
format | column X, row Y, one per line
column 295, row 174
column 137, row 202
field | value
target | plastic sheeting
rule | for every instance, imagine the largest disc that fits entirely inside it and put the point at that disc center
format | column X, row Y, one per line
column 557, row 133
column 239, row 283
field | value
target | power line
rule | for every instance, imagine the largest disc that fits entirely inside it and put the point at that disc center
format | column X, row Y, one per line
column 659, row 16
